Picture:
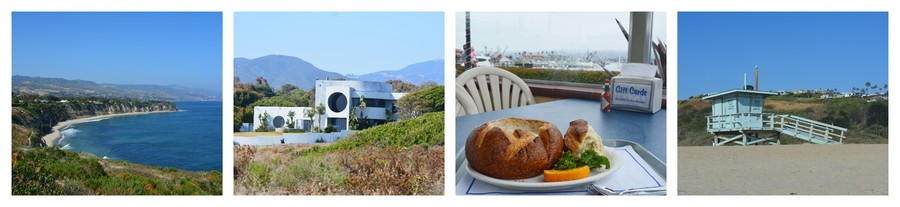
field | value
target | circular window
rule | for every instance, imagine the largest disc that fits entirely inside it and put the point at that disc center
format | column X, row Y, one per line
column 278, row 122
column 337, row 102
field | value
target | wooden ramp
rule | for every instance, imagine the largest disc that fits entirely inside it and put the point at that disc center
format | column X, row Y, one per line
column 809, row 130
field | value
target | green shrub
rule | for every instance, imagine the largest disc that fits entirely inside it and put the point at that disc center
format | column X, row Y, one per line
column 51, row 171
column 426, row 130
column 272, row 102
column 421, row 102
column 577, row 76
column 330, row 129
column 877, row 114
column 243, row 97
column 259, row 174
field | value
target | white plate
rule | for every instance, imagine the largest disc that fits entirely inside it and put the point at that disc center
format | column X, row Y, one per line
column 537, row 183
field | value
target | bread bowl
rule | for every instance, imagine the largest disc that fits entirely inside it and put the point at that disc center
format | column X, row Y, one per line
column 514, row 148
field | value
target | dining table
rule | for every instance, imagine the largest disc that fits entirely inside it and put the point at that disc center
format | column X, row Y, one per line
column 644, row 133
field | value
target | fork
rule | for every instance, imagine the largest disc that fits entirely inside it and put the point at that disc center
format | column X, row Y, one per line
column 602, row 190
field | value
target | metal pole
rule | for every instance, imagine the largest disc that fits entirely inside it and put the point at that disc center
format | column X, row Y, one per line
column 639, row 40
column 468, row 47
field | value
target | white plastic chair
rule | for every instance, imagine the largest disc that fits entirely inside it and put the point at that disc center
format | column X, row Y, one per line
column 494, row 89
column 464, row 103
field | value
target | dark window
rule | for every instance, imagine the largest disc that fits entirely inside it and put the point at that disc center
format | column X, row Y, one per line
column 337, row 102
column 278, row 122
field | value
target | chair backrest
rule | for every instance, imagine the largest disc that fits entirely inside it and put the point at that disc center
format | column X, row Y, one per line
column 464, row 103
column 494, row 88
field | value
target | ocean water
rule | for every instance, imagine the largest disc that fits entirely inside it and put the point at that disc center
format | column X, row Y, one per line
column 190, row 139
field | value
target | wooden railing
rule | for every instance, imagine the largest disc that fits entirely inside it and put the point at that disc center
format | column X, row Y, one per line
column 769, row 121
column 740, row 121
column 811, row 127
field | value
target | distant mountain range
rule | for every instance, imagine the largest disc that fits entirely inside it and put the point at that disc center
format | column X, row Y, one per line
column 83, row 88
column 281, row 69
column 416, row 73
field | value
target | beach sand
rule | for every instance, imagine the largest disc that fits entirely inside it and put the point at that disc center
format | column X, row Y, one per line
column 52, row 138
column 807, row 169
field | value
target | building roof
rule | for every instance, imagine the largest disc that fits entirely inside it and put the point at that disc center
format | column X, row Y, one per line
column 764, row 93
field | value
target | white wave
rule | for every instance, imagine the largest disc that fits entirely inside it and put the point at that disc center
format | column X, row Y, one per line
column 67, row 147
column 94, row 120
column 105, row 157
column 66, row 132
column 182, row 110
column 69, row 132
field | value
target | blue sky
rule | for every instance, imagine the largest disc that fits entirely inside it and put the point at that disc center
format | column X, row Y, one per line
column 793, row 50
column 342, row 42
column 176, row 48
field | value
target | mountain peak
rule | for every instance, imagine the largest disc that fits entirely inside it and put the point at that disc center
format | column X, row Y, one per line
column 281, row 69
column 416, row 73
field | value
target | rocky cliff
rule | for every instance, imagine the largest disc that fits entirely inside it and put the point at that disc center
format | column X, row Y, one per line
column 34, row 116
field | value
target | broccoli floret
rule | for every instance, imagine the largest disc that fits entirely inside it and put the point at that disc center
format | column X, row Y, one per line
column 567, row 161
column 594, row 160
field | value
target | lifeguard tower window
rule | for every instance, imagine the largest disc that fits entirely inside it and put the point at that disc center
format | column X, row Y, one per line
column 738, row 118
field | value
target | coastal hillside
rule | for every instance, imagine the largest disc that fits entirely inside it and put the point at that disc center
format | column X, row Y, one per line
column 280, row 70
column 33, row 116
column 866, row 121
column 418, row 73
column 82, row 88
column 51, row 171
column 41, row 170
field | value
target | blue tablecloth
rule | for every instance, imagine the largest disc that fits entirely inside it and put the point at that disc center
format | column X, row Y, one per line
column 647, row 130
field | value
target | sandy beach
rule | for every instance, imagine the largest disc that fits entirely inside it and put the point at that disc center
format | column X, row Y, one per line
column 52, row 138
column 807, row 169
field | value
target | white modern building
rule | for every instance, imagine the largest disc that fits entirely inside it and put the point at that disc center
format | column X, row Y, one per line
column 339, row 97
column 278, row 119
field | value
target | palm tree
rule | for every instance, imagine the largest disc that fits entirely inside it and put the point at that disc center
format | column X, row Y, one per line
column 264, row 122
column 388, row 114
column 290, row 123
column 868, row 84
column 362, row 109
column 321, row 111
column 354, row 122
column 310, row 114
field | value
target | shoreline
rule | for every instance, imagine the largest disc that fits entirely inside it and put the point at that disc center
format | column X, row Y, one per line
column 52, row 138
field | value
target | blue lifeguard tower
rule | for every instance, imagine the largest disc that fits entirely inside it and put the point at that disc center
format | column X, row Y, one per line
column 738, row 118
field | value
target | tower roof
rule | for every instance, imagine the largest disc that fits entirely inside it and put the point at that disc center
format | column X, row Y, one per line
column 735, row 91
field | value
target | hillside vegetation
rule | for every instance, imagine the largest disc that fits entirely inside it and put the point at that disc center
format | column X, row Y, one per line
column 398, row 158
column 40, row 170
column 51, row 171
column 421, row 102
column 866, row 121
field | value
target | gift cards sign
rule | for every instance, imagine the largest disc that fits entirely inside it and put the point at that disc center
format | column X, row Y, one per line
column 636, row 95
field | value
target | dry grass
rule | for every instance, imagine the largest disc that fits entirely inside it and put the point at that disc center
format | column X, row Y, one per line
column 784, row 106
column 368, row 170
column 700, row 104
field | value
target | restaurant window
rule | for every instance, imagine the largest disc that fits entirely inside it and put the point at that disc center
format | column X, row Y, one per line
column 559, row 54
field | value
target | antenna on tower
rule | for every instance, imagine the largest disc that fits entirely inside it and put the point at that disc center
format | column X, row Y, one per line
column 756, row 85
column 744, row 87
